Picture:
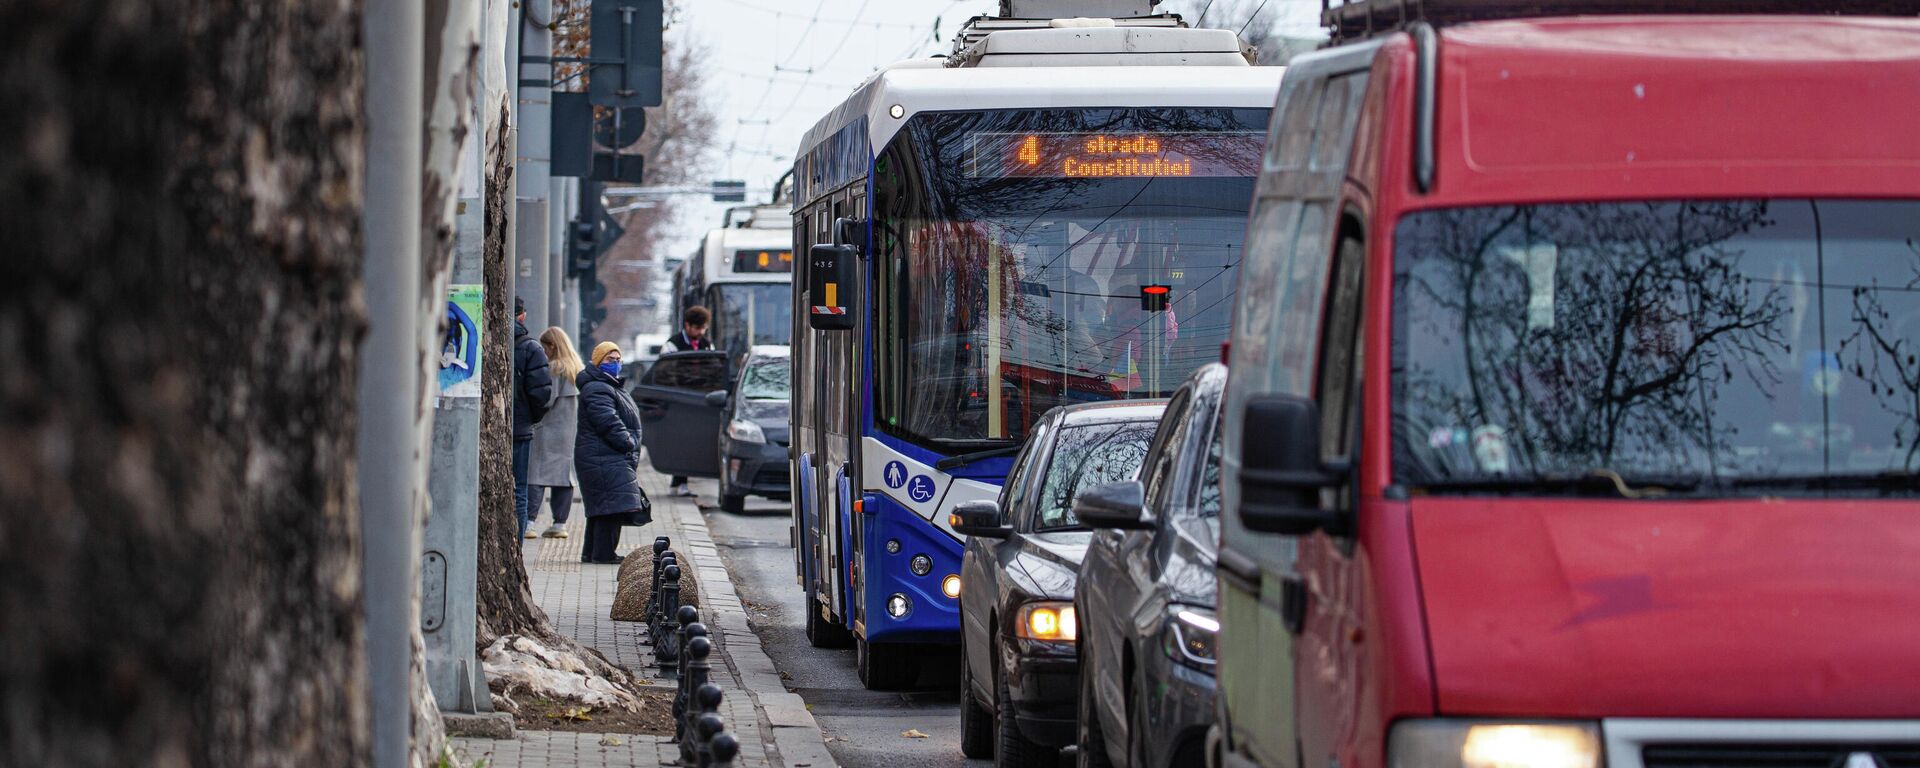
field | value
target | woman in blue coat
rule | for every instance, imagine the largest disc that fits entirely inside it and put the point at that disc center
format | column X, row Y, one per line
column 606, row 456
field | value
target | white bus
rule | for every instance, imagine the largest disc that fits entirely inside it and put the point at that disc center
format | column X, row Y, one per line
column 741, row 274
column 1053, row 214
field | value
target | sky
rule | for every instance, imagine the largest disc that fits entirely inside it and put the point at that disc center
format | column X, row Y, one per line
column 775, row 67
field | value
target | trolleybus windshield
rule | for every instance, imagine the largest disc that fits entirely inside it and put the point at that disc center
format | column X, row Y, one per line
column 1035, row 258
column 745, row 314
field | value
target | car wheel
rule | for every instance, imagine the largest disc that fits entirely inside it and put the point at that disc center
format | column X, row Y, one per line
column 885, row 667
column 1014, row 750
column 1092, row 739
column 733, row 502
column 1136, row 729
column 822, row 633
column 976, row 723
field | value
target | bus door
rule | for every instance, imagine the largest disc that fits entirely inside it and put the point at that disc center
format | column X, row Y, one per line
column 819, row 348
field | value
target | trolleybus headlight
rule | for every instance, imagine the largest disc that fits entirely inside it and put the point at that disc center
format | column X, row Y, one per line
column 1470, row 744
column 893, row 546
column 950, row 585
column 1048, row 620
column 897, row 111
column 745, row 431
column 921, row 565
column 898, row 605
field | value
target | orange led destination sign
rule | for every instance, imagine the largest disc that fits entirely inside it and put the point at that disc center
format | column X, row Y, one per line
column 1113, row 155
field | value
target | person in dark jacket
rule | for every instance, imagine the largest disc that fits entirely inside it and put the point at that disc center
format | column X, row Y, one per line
column 693, row 330
column 532, row 391
column 606, row 456
column 692, row 337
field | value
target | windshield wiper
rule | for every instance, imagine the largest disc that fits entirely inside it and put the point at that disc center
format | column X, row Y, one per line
column 961, row 460
column 1605, row 482
column 1882, row 481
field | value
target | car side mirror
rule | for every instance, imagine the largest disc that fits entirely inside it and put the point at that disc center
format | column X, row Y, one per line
column 1281, row 474
column 981, row 518
column 830, row 287
column 717, row 398
column 1120, row 506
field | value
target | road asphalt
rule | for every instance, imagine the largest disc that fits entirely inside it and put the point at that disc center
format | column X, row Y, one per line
column 863, row 728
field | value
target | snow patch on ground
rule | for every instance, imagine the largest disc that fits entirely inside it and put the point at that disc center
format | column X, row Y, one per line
column 516, row 664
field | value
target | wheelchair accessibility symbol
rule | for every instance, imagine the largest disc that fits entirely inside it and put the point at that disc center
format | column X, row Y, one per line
column 920, row 488
column 895, row 474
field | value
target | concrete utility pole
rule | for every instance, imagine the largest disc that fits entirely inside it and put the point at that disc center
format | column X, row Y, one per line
column 533, row 78
column 515, row 12
column 557, row 250
column 390, row 367
column 449, row 618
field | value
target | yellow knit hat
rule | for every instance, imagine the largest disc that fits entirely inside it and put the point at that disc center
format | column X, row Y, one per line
column 601, row 350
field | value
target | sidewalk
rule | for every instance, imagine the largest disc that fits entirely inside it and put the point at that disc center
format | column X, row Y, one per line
column 773, row 726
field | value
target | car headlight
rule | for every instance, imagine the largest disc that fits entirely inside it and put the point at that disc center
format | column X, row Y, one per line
column 1047, row 620
column 745, row 431
column 1192, row 637
column 1471, row 744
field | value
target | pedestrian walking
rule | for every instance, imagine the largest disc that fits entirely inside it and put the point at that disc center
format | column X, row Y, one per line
column 532, row 390
column 692, row 337
column 606, row 456
column 550, row 476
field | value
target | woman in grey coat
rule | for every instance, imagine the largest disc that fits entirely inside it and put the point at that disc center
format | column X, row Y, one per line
column 553, row 437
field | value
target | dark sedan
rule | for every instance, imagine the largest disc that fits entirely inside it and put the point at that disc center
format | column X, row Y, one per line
column 1018, row 673
column 756, row 420
column 1146, row 594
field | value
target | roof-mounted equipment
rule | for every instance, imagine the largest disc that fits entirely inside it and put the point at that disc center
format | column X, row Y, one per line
column 1348, row 20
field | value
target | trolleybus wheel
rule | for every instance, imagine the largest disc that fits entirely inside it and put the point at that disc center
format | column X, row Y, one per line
column 823, row 633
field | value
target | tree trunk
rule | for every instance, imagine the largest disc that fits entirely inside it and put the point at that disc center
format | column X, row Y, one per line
column 450, row 50
column 505, row 598
column 506, row 603
column 180, row 194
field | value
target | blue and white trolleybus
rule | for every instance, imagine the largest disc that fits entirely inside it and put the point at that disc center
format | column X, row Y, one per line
column 1053, row 214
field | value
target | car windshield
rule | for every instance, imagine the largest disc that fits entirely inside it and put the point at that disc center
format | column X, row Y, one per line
column 1043, row 258
column 767, row 378
column 1712, row 344
column 746, row 314
column 1086, row 456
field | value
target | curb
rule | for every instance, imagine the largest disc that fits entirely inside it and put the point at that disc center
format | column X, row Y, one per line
column 796, row 734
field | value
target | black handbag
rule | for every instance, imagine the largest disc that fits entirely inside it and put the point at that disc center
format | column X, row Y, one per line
column 644, row 514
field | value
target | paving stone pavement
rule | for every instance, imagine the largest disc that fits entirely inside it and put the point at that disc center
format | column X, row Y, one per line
column 772, row 725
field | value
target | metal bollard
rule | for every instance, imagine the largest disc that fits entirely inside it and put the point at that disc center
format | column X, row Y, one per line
column 708, row 726
column 723, row 750
column 690, row 626
column 692, row 676
column 705, row 703
column 656, row 611
column 665, row 649
column 660, row 545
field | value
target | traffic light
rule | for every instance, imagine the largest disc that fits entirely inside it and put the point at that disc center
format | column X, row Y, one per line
column 584, row 247
column 593, row 301
column 1153, row 298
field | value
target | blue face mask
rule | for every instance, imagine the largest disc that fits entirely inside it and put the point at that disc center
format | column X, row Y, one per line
column 610, row 368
